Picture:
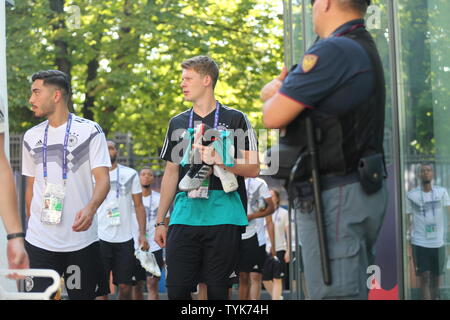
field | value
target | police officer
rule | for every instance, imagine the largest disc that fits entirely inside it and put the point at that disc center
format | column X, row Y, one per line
column 339, row 85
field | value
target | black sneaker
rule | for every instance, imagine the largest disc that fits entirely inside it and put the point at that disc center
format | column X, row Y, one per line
column 194, row 177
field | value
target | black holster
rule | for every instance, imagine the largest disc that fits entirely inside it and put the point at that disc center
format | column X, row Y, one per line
column 371, row 175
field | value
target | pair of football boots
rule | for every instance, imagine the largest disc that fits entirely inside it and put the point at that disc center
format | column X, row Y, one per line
column 198, row 172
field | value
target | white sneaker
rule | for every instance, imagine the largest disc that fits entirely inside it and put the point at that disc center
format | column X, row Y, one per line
column 156, row 271
column 148, row 262
column 228, row 179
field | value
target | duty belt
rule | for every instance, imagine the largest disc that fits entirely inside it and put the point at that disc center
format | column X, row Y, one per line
column 331, row 181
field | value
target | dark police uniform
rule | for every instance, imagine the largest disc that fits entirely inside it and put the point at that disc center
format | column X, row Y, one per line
column 340, row 82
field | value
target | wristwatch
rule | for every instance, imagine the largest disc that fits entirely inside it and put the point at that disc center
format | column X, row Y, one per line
column 162, row 223
column 15, row 235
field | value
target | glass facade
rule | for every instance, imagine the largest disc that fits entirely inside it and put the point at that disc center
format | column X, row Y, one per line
column 412, row 40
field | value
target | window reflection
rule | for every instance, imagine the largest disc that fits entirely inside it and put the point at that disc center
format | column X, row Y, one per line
column 426, row 208
column 425, row 105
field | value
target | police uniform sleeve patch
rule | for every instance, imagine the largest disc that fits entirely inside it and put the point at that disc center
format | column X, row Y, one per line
column 309, row 62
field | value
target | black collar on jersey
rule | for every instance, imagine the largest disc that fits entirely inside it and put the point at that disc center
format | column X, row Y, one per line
column 216, row 116
column 348, row 27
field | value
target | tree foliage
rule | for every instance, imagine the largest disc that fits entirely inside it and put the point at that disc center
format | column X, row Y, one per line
column 425, row 75
column 124, row 57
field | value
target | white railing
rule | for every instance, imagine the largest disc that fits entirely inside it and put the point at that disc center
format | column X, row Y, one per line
column 44, row 273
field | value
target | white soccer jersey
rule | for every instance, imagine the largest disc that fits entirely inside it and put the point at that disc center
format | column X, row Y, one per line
column 87, row 150
column 280, row 220
column 427, row 208
column 151, row 204
column 129, row 185
column 256, row 189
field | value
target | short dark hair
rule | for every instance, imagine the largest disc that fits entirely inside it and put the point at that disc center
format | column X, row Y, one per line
column 112, row 141
column 56, row 78
column 357, row 5
column 426, row 164
column 204, row 65
column 146, row 168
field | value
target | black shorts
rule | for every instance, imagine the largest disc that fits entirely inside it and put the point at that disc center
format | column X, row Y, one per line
column 429, row 259
column 118, row 258
column 197, row 254
column 232, row 280
column 251, row 256
column 274, row 268
column 82, row 271
column 139, row 273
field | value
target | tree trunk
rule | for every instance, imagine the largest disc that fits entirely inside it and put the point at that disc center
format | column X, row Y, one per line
column 61, row 47
column 90, row 96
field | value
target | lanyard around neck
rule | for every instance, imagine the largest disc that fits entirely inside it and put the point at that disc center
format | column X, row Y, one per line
column 117, row 183
column 64, row 160
column 423, row 202
column 148, row 215
column 216, row 117
column 150, row 207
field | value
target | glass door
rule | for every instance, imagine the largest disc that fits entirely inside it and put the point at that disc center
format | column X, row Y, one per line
column 424, row 105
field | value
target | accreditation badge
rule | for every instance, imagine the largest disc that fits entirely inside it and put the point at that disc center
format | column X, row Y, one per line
column 113, row 213
column 431, row 231
column 201, row 192
column 53, row 203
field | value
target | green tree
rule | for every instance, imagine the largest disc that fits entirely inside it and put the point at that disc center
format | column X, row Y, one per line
column 424, row 64
column 124, row 59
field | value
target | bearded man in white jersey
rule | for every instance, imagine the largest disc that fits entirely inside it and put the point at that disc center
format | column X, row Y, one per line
column 428, row 209
column 59, row 158
column 115, row 224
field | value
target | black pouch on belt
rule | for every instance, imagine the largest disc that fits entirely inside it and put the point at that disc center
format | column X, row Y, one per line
column 371, row 172
column 305, row 195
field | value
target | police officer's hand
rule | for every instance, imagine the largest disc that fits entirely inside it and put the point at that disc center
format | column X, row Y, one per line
column 269, row 90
